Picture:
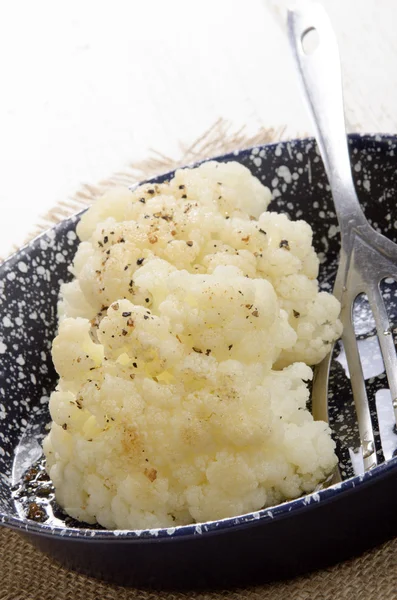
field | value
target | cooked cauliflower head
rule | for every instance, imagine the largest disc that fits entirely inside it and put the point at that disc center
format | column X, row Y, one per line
column 183, row 350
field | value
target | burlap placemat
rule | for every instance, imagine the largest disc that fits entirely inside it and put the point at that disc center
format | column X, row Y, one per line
column 26, row 574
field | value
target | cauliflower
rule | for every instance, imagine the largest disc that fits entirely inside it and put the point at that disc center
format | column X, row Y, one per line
column 183, row 350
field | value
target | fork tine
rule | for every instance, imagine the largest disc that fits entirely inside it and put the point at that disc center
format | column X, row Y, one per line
column 386, row 341
column 320, row 403
column 359, row 390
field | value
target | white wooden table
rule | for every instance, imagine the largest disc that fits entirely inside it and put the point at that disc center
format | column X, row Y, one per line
column 86, row 87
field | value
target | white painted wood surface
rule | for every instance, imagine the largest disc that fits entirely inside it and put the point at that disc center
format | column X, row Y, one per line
column 86, row 87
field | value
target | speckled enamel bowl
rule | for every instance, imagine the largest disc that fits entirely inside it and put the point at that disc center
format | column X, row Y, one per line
column 310, row 532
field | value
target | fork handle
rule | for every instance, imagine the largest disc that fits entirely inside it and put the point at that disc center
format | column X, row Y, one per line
column 320, row 77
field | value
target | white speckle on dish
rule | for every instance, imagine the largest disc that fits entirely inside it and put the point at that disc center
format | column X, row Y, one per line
column 256, row 515
column 333, row 230
column 367, row 184
column 3, row 348
column 285, row 173
column 20, row 360
column 198, row 529
column 33, row 378
column 275, row 182
column 309, row 171
column 18, row 321
column 276, row 193
column 257, row 161
column 270, row 514
column 40, row 270
column 11, row 276
column 299, row 156
column 59, row 257
column 7, row 322
column 171, row 530
column 277, row 152
column 120, row 531
column 22, row 266
column 357, row 167
column 71, row 235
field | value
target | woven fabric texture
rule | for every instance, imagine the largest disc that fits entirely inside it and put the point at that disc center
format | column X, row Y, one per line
column 26, row 574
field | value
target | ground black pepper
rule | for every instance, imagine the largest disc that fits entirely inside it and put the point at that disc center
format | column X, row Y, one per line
column 284, row 244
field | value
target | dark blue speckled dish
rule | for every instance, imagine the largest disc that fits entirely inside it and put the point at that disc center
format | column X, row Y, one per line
column 311, row 532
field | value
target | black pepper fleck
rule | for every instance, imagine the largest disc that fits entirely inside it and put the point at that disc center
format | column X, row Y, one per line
column 284, row 244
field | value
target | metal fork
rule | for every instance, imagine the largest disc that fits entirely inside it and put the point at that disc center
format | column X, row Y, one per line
column 366, row 256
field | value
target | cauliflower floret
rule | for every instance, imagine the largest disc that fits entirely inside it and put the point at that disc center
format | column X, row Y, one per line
column 181, row 352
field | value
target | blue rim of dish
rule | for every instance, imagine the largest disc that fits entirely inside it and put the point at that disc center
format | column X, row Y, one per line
column 222, row 525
